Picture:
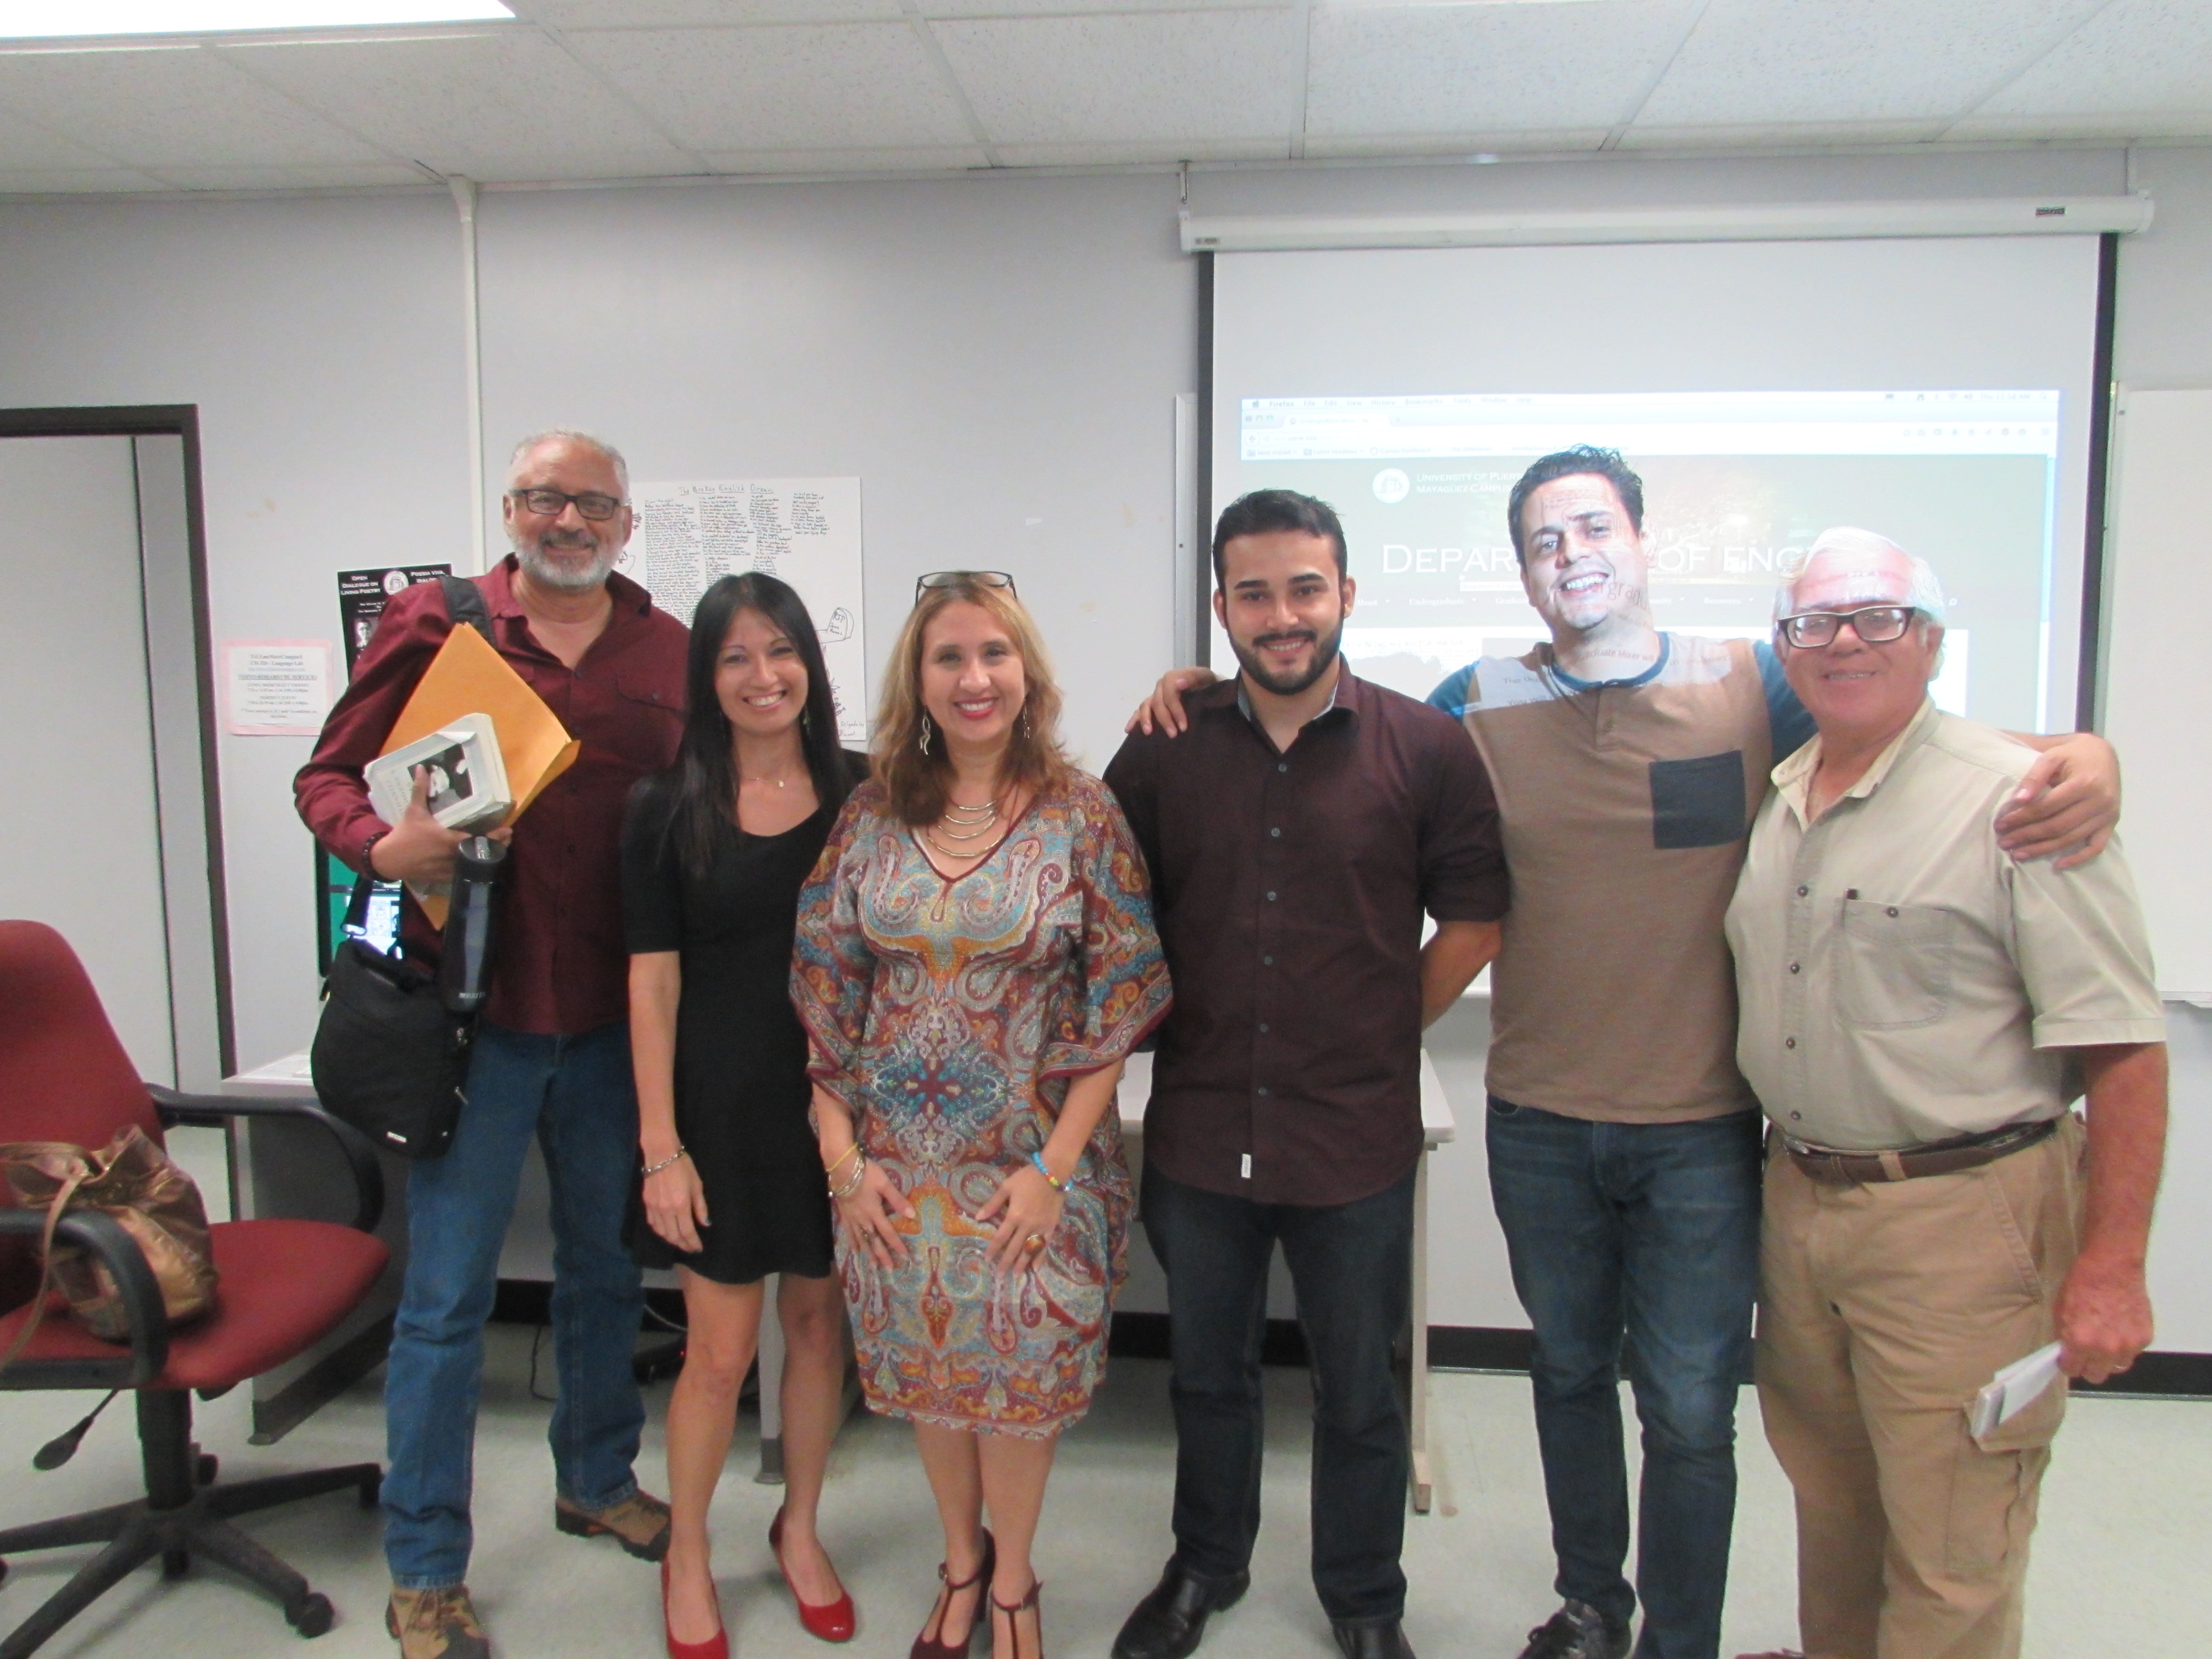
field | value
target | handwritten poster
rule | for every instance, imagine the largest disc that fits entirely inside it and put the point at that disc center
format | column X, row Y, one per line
column 804, row 531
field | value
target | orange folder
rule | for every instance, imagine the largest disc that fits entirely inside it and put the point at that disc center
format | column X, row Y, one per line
column 468, row 677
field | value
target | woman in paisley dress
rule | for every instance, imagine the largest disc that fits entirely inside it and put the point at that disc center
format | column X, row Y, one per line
column 976, row 960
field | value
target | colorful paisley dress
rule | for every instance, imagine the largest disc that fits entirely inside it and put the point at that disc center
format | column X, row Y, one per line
column 949, row 1015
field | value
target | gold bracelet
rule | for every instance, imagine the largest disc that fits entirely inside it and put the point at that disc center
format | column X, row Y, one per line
column 677, row 1156
column 841, row 1157
column 852, row 1185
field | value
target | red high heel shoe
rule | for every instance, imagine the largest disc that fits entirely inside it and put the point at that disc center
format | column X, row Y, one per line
column 715, row 1647
column 1028, row 1603
column 927, row 1646
column 832, row 1621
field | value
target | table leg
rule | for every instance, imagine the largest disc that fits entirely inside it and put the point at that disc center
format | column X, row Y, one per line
column 771, row 1386
column 1423, row 1486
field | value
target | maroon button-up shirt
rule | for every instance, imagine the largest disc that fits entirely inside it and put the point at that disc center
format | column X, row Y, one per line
column 561, row 967
column 1288, row 887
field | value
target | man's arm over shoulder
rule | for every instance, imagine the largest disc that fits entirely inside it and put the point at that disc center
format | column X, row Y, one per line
column 1463, row 850
column 332, row 799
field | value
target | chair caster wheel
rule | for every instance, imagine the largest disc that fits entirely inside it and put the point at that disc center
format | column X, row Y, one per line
column 175, row 1564
column 205, row 1468
column 311, row 1615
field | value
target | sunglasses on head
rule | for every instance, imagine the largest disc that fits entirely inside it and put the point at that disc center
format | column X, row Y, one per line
column 955, row 578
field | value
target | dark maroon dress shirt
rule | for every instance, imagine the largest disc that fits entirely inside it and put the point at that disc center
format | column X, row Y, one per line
column 561, row 967
column 1289, row 887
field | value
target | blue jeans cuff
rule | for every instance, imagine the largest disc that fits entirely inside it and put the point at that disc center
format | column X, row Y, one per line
column 416, row 1582
column 623, row 1495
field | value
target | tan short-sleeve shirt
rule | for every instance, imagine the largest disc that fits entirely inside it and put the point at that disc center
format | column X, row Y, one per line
column 1901, row 980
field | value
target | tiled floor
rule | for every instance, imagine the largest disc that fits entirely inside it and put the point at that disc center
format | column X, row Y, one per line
column 2127, row 1520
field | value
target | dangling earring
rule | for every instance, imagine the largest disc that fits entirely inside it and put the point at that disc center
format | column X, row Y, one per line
column 1028, row 730
column 806, row 722
column 925, row 734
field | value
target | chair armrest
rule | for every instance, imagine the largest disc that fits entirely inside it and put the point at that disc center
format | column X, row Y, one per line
column 210, row 1111
column 115, row 1250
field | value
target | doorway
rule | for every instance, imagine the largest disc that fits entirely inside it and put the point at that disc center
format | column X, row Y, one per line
column 112, row 836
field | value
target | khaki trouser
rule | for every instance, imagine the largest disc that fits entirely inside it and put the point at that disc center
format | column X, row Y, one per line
column 1884, row 1309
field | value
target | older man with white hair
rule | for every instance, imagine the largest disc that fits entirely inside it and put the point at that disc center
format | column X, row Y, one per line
column 1918, row 1013
column 551, row 1059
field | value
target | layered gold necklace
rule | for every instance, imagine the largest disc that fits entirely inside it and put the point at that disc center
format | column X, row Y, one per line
column 961, row 824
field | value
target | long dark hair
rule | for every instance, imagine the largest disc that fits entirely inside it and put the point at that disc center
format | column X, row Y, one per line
column 704, row 811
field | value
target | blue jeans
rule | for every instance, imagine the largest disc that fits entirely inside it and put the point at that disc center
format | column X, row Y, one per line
column 576, row 1095
column 1352, row 1267
column 1641, row 1238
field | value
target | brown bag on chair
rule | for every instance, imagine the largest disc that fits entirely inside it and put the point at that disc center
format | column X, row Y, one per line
column 134, row 1181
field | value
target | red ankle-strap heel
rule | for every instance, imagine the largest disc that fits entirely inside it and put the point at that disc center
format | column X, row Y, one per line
column 927, row 1646
column 1033, row 1600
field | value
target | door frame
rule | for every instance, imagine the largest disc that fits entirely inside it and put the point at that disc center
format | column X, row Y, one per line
column 180, row 421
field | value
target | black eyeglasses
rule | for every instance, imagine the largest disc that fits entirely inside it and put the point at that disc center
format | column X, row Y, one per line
column 1878, row 624
column 551, row 503
column 955, row 578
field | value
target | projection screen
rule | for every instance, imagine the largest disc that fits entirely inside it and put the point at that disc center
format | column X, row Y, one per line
column 1936, row 391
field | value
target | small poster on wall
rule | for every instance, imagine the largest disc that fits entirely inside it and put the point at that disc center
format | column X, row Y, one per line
column 805, row 531
column 277, row 688
column 363, row 595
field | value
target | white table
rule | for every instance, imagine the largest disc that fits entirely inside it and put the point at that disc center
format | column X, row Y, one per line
column 1438, row 1126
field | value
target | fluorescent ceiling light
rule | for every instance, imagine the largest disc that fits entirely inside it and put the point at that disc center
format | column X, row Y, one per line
column 31, row 20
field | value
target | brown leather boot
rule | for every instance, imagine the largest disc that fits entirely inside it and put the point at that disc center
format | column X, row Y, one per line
column 435, row 1623
column 639, row 1523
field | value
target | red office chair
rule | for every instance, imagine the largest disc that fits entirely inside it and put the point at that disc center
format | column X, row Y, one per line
column 285, row 1285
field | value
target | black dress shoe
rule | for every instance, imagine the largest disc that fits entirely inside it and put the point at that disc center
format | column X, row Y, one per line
column 1170, row 1622
column 1371, row 1638
column 1578, row 1631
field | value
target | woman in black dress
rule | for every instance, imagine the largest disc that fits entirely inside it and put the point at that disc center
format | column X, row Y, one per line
column 715, row 851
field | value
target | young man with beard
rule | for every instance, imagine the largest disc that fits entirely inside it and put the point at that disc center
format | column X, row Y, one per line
column 1296, row 835
column 552, row 1052
column 1624, row 1146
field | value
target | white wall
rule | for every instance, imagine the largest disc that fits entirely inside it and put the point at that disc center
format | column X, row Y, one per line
column 995, row 357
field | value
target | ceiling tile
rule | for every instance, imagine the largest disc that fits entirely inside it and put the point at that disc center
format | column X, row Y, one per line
column 1548, row 140
column 581, row 15
column 1150, row 78
column 2138, row 56
column 182, row 107
column 1753, row 62
column 381, row 174
column 25, row 146
column 72, row 181
column 1463, row 69
column 473, row 104
column 836, row 86
column 918, row 159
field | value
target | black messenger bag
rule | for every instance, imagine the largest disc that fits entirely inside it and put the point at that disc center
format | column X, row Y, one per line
column 389, row 1056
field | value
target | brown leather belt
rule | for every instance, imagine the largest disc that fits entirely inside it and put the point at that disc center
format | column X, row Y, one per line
column 1939, row 1158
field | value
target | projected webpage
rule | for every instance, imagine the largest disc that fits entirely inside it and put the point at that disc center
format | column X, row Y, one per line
column 1736, row 486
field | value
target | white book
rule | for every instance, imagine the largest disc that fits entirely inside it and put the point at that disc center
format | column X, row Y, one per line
column 468, row 778
column 2014, row 1388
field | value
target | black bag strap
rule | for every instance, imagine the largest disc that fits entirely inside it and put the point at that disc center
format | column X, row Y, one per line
column 464, row 603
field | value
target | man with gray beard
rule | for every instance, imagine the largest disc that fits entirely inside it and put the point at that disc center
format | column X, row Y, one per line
column 552, row 1050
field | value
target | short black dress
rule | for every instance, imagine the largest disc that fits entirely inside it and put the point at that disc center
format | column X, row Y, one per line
column 741, row 1086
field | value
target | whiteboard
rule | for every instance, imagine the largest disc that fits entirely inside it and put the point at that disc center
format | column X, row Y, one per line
column 2158, row 674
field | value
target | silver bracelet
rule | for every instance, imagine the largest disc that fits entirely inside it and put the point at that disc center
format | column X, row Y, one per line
column 676, row 1156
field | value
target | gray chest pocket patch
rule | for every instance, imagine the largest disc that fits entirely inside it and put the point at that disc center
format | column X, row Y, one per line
column 1698, row 803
